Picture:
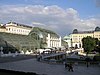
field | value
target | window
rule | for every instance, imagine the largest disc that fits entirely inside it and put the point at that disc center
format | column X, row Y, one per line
column 9, row 29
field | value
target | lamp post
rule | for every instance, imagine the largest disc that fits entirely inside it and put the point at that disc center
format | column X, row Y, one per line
column 1, row 49
column 71, row 42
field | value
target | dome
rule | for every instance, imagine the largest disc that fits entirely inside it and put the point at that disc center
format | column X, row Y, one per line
column 67, row 38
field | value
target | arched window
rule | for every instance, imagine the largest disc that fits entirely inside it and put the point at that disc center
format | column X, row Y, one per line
column 79, row 45
column 76, row 46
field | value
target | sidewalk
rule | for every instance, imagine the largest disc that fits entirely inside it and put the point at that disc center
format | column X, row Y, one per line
column 16, row 58
column 31, row 65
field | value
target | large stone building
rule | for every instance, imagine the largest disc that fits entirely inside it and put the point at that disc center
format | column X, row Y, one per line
column 15, row 28
column 24, row 37
column 53, row 41
column 47, row 38
column 67, row 39
column 77, row 36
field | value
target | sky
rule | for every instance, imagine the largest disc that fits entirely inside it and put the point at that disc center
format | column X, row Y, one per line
column 60, row 16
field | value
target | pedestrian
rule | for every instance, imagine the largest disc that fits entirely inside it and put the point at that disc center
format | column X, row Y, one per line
column 70, row 67
column 39, row 58
column 87, row 61
column 66, row 65
column 87, row 64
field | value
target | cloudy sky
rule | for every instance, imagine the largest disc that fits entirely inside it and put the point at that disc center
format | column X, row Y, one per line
column 61, row 16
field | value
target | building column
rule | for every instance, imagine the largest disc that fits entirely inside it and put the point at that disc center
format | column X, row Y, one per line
column 60, row 41
column 48, row 42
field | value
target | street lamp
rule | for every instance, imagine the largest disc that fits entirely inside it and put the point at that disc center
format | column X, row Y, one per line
column 1, row 49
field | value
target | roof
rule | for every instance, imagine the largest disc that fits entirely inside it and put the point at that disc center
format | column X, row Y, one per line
column 3, row 27
column 43, row 32
column 83, row 32
column 67, row 37
column 18, row 24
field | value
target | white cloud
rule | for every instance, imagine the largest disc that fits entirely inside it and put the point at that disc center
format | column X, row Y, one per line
column 50, row 17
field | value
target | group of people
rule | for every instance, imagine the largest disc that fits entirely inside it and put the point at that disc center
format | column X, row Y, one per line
column 69, row 66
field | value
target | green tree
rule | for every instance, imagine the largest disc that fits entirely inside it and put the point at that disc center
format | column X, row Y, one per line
column 89, row 44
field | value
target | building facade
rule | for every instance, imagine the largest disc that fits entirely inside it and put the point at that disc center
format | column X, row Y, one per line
column 53, row 41
column 45, row 38
column 16, row 28
column 2, row 29
column 67, row 39
column 77, row 36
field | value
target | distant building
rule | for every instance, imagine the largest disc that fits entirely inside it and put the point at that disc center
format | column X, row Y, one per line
column 77, row 36
column 53, row 41
column 67, row 39
column 2, row 28
column 25, row 37
column 16, row 28
column 47, row 38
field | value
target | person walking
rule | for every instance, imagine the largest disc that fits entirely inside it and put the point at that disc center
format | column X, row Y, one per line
column 87, row 61
column 66, row 65
column 70, row 67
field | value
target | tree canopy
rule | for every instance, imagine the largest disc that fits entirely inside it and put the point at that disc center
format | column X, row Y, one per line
column 89, row 44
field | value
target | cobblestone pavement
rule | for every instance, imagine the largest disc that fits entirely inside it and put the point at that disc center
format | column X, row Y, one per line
column 31, row 65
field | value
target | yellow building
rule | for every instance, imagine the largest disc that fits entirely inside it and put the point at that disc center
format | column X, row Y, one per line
column 15, row 28
column 2, row 29
column 76, row 37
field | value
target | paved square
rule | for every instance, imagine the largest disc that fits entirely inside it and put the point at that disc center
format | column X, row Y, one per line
column 31, row 65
